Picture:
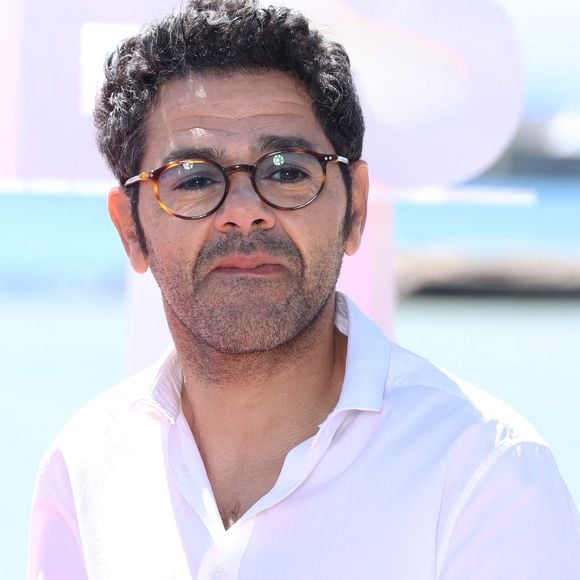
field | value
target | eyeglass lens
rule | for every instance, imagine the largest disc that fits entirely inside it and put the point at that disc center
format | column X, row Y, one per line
column 287, row 179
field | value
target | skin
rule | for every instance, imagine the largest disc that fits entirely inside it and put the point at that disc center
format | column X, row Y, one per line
column 248, row 291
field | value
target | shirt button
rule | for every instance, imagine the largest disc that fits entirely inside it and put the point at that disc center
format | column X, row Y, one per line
column 219, row 573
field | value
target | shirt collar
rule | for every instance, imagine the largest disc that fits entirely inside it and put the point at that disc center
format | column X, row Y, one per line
column 163, row 395
column 367, row 359
column 367, row 362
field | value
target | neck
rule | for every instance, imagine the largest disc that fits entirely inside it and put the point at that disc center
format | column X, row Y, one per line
column 282, row 393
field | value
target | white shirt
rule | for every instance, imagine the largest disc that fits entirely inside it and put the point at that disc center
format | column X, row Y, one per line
column 415, row 475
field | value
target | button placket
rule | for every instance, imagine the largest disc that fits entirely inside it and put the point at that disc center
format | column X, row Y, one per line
column 222, row 560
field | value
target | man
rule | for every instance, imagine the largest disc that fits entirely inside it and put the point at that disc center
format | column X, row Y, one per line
column 283, row 437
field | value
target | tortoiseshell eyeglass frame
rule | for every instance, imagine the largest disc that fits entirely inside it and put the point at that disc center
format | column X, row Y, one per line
column 323, row 158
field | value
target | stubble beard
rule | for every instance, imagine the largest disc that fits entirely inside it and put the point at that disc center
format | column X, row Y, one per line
column 242, row 315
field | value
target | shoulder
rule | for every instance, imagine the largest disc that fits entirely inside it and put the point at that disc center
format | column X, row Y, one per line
column 483, row 450
column 421, row 398
column 496, row 479
column 457, row 404
column 102, row 420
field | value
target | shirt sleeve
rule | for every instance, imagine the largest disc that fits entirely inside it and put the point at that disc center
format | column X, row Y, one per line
column 55, row 551
column 516, row 519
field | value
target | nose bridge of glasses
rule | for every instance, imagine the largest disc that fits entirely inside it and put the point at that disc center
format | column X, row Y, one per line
column 243, row 167
column 248, row 207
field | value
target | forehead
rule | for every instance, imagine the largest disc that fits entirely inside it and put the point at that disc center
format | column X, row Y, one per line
column 230, row 113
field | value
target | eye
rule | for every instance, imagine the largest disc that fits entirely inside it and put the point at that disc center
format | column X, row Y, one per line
column 288, row 174
column 195, row 177
column 196, row 181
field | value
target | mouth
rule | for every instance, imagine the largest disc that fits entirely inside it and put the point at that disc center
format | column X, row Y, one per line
column 248, row 265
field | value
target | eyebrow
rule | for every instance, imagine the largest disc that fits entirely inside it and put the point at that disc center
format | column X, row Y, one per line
column 210, row 153
column 266, row 144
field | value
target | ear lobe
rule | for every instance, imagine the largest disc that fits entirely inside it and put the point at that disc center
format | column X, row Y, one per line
column 360, row 192
column 119, row 206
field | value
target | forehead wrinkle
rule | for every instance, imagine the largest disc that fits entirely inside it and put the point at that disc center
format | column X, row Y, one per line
column 208, row 122
column 201, row 126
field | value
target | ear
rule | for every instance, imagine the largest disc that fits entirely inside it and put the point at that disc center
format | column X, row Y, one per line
column 360, row 191
column 120, row 212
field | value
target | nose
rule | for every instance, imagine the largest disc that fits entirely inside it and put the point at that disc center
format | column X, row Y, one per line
column 243, row 210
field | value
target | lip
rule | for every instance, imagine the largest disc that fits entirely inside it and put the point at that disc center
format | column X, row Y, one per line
column 253, row 265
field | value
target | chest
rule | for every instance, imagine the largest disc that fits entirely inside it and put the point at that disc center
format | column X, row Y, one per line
column 238, row 485
column 346, row 510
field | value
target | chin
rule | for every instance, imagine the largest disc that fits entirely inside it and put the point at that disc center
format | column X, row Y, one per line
column 257, row 325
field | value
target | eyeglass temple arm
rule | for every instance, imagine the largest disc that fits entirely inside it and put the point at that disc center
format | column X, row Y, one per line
column 141, row 177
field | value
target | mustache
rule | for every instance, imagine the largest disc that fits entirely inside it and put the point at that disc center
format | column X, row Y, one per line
column 258, row 241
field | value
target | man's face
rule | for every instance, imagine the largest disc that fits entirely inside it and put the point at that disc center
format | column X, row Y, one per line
column 247, row 278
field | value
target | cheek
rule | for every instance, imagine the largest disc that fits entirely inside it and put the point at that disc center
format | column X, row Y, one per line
column 329, row 228
column 320, row 241
column 174, row 244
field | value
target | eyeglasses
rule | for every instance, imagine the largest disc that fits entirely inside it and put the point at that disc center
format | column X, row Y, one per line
column 195, row 188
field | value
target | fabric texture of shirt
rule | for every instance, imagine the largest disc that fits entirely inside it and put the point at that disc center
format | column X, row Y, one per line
column 415, row 475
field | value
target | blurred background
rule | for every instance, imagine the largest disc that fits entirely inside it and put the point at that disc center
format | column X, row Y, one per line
column 486, row 273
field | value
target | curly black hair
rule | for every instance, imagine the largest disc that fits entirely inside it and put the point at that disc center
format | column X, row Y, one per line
column 220, row 37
